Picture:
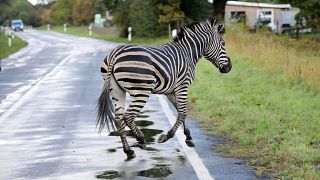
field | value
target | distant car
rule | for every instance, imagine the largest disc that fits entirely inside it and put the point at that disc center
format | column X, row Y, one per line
column 17, row 25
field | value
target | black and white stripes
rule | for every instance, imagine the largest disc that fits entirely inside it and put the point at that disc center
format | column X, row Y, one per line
column 168, row 69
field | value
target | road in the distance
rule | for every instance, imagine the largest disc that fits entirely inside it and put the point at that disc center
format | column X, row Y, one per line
column 48, row 94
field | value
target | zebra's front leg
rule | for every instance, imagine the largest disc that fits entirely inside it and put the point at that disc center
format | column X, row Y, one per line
column 187, row 133
column 164, row 137
column 180, row 103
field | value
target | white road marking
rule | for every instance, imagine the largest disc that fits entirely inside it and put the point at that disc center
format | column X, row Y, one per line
column 193, row 157
column 35, row 87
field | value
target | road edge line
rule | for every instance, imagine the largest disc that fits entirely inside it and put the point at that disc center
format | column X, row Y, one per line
column 31, row 90
column 193, row 157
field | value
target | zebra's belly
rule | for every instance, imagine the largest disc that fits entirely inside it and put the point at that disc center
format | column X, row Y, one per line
column 135, row 83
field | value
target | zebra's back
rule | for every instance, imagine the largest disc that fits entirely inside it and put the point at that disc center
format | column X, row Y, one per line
column 139, row 69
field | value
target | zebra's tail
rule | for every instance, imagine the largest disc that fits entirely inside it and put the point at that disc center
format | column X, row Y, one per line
column 105, row 107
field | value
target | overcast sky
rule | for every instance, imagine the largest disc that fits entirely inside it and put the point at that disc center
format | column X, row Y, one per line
column 33, row 1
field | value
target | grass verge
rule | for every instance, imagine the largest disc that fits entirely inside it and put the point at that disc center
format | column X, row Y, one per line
column 112, row 36
column 269, row 105
column 5, row 50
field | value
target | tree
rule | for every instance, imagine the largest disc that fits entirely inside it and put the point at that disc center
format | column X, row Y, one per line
column 120, row 17
column 171, row 12
column 62, row 11
column 196, row 10
column 111, row 4
column 82, row 11
column 219, row 8
column 310, row 9
column 100, row 7
column 4, row 6
column 141, row 15
column 144, row 19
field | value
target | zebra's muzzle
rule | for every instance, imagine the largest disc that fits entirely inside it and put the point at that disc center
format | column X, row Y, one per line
column 227, row 67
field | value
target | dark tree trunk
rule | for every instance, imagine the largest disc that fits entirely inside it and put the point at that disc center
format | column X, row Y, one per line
column 218, row 8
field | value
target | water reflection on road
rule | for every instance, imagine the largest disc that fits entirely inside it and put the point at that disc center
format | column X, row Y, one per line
column 159, row 161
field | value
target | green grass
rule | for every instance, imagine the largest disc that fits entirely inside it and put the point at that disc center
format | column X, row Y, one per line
column 315, row 36
column 83, row 31
column 268, row 107
column 5, row 50
column 275, row 126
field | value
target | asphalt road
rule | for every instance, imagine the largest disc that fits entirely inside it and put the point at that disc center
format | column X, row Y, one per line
column 48, row 94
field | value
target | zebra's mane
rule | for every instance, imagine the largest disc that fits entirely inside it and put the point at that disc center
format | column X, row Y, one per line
column 215, row 24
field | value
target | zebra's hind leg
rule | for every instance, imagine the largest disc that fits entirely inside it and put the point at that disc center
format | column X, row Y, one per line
column 119, row 98
column 120, row 124
column 137, row 103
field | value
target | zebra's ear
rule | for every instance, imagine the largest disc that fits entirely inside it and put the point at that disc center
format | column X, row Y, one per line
column 217, row 25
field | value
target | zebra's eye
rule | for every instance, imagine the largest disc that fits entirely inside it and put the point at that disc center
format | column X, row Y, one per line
column 222, row 31
column 223, row 43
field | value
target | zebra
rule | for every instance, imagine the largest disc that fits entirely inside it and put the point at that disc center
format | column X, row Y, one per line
column 168, row 69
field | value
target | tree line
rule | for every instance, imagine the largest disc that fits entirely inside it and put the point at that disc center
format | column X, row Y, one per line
column 148, row 18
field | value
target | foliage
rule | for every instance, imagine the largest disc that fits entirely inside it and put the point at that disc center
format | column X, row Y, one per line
column 19, row 9
column 120, row 17
column 77, row 12
column 196, row 10
column 150, row 18
column 141, row 16
column 82, row 12
column 61, row 12
column 143, row 19
column 171, row 12
column 310, row 9
column 111, row 4
column 219, row 8
column 4, row 6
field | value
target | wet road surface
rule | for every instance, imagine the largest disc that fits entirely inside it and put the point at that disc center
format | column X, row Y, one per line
column 48, row 93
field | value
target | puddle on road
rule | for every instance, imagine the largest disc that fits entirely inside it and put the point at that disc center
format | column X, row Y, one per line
column 111, row 150
column 143, row 116
column 148, row 134
column 143, row 123
column 111, row 174
column 182, row 159
column 148, row 111
column 158, row 171
column 148, row 148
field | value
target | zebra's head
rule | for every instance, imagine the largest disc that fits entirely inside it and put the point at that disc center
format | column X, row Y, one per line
column 215, row 50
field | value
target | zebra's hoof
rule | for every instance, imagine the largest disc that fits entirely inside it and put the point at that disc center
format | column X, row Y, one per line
column 143, row 146
column 130, row 155
column 163, row 138
column 189, row 143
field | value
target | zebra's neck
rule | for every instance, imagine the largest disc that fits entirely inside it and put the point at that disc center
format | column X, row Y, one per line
column 191, row 48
